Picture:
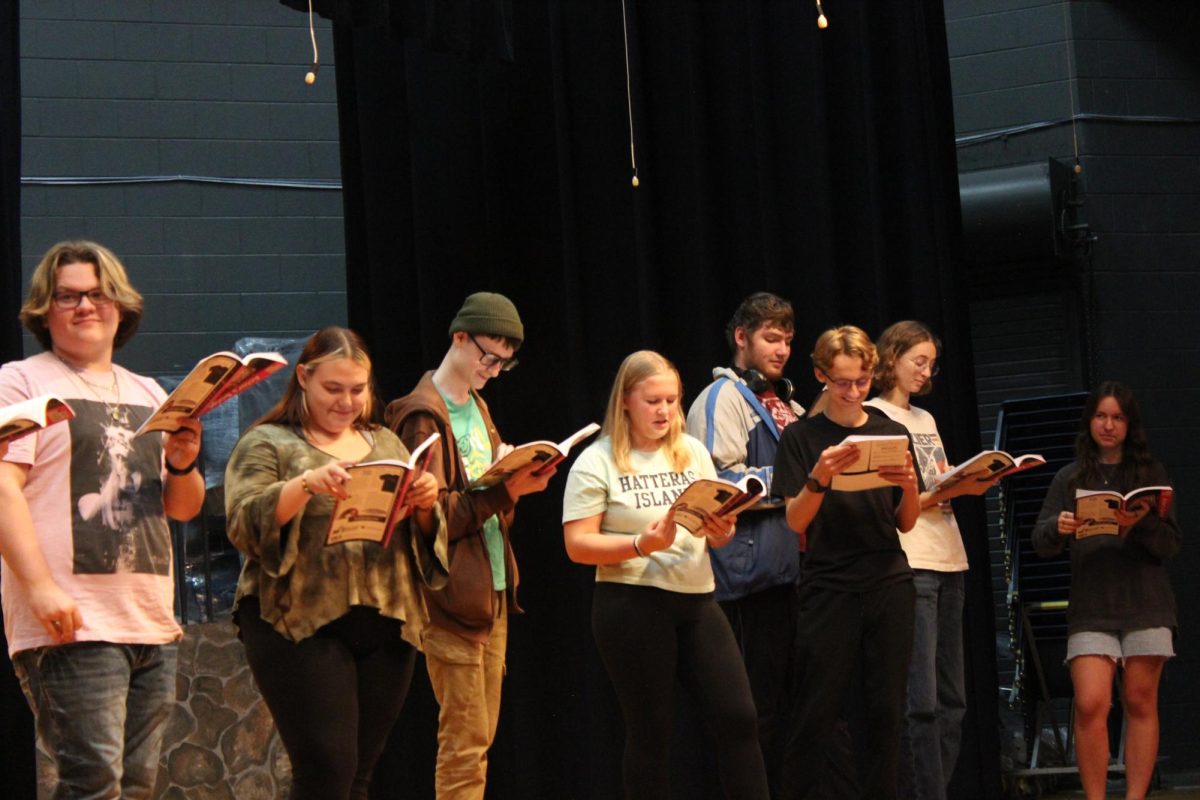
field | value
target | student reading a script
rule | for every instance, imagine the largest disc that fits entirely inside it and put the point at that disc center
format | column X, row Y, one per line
column 467, row 641
column 87, row 584
column 937, row 696
column 856, row 590
column 1122, row 610
column 330, row 630
column 653, row 613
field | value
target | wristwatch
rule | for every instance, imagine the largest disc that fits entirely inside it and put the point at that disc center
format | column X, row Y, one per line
column 815, row 486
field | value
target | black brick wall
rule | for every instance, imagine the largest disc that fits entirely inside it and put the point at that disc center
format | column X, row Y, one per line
column 1021, row 61
column 173, row 87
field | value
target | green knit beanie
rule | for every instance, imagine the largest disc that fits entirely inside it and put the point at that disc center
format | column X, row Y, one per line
column 489, row 314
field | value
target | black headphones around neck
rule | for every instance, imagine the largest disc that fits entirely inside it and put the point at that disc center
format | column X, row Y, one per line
column 759, row 383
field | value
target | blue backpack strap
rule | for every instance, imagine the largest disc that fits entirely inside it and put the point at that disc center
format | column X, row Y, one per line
column 757, row 405
column 748, row 396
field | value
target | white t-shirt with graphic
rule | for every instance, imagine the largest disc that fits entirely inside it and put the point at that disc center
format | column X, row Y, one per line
column 632, row 500
column 934, row 543
column 95, row 494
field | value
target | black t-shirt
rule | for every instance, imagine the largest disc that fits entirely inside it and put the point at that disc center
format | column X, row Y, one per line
column 853, row 545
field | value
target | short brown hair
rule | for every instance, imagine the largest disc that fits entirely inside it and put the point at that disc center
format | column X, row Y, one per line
column 760, row 308
column 844, row 340
column 114, row 282
column 896, row 340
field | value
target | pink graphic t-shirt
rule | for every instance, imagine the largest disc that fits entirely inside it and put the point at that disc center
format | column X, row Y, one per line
column 95, row 496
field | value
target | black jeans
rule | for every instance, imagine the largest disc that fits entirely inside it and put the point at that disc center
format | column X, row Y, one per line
column 837, row 631
column 335, row 695
column 649, row 638
column 765, row 627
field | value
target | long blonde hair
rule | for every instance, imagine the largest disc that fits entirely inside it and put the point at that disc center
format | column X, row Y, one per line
column 636, row 368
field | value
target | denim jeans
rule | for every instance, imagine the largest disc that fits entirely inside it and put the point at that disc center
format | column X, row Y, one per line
column 936, row 687
column 100, row 710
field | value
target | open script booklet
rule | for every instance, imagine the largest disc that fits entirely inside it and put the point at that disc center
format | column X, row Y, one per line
column 376, row 495
column 1097, row 510
column 31, row 415
column 211, row 382
column 985, row 466
column 715, row 497
column 873, row 452
column 547, row 453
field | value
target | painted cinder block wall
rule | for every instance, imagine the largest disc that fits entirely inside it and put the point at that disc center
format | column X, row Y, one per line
column 212, row 89
column 1015, row 62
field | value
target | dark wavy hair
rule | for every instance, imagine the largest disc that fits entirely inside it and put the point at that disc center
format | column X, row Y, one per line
column 327, row 344
column 760, row 308
column 1135, row 452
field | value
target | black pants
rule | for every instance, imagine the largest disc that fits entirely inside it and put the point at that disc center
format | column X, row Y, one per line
column 335, row 695
column 764, row 624
column 765, row 627
column 837, row 631
column 648, row 639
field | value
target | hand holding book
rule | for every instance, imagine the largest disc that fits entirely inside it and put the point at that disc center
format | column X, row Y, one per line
column 1103, row 512
column 374, row 495
column 212, row 381
column 529, row 479
column 709, row 506
column 981, row 472
column 543, row 454
column 867, row 462
column 658, row 535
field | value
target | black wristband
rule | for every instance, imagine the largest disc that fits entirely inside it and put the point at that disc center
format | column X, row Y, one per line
column 815, row 486
column 186, row 470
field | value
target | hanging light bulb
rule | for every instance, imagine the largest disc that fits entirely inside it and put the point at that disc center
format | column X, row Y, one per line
column 311, row 77
column 822, row 22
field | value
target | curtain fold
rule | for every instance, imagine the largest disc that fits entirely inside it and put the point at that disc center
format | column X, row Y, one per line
column 490, row 149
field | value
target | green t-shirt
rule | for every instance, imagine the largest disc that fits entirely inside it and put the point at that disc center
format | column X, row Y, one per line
column 475, row 447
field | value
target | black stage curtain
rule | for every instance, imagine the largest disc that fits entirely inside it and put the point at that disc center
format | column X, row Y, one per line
column 485, row 145
column 16, row 723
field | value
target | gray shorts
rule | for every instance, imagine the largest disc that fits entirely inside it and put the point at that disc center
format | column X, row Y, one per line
column 1122, row 644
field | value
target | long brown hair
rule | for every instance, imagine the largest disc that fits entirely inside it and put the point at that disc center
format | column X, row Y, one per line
column 1134, row 466
column 327, row 344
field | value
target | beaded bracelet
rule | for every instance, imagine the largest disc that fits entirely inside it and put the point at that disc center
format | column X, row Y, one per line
column 304, row 482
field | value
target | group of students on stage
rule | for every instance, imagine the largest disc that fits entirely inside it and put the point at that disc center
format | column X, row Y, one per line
column 763, row 619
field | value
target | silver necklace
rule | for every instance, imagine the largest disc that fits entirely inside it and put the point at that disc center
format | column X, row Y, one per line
column 113, row 410
column 1107, row 471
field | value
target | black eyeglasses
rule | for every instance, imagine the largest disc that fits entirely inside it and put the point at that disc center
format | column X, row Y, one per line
column 862, row 384
column 68, row 300
column 491, row 359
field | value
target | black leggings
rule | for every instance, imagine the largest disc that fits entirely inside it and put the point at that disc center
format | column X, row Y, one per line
column 335, row 695
column 648, row 638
